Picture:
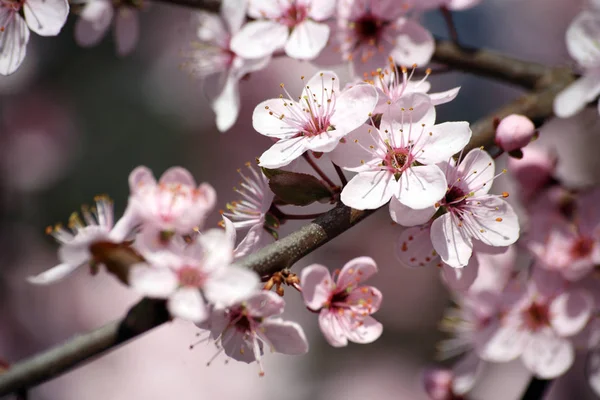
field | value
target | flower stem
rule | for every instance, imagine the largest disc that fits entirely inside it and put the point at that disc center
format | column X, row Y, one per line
column 340, row 173
column 318, row 170
column 450, row 24
column 536, row 389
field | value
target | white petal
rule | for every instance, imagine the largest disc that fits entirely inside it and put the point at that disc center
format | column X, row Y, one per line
column 451, row 242
column 422, row 186
column 266, row 118
column 592, row 370
column 368, row 331
column 443, row 141
column 258, row 39
column 576, row 96
column 582, row 39
column 321, row 10
column 316, row 285
column 54, row 274
column 93, row 22
column 187, row 303
column 264, row 304
column 353, row 107
column 506, row 343
column 13, row 44
column 307, row 40
column 476, row 172
column 571, row 311
column 444, row 97
column 354, row 148
column 414, row 45
column 283, row 152
column 152, row 281
column 369, row 190
column 466, row 372
column 407, row 216
column 230, row 285
column 285, row 337
column 127, row 30
column 547, row 355
column 320, row 83
column 496, row 223
column 332, row 330
column 217, row 249
column 233, row 13
column 227, row 104
column 461, row 279
column 46, row 17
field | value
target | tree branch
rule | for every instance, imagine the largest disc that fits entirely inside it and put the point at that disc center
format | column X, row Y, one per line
column 284, row 253
column 536, row 389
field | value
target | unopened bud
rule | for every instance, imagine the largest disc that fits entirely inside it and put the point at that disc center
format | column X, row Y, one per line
column 514, row 132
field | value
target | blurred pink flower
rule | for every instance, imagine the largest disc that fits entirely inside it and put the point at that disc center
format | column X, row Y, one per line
column 190, row 275
column 242, row 330
column 514, row 132
column 322, row 117
column 397, row 161
column 296, row 26
column 17, row 18
column 344, row 307
column 452, row 384
column 532, row 171
column 95, row 19
column 172, row 204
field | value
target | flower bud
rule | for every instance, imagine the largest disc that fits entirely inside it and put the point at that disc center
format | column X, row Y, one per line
column 438, row 384
column 514, row 132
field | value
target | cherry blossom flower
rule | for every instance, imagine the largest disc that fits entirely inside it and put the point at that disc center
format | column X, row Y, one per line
column 322, row 117
column 394, row 82
column 452, row 384
column 368, row 31
column 220, row 67
column 172, row 204
column 344, row 307
column 96, row 17
column 244, row 329
column 471, row 213
column 294, row 25
column 17, row 18
column 514, row 132
column 537, row 322
column 581, row 38
column 190, row 275
column 74, row 252
column 398, row 159
column 532, row 171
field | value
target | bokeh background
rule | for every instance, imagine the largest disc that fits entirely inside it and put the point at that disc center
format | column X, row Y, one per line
column 74, row 122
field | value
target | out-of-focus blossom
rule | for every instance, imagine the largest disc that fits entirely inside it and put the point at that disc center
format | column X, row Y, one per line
column 537, row 321
column 190, row 275
column 368, row 31
column 398, row 160
column 96, row 17
column 452, row 384
column 173, row 204
column 532, row 171
column 242, row 330
column 514, row 132
column 316, row 122
column 74, row 252
column 582, row 37
column 471, row 213
column 44, row 17
column 344, row 307
column 394, row 82
column 593, row 357
column 294, row 25
column 220, row 67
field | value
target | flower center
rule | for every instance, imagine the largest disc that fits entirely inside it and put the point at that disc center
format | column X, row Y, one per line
column 293, row 15
column 582, row 247
column 454, row 196
column 190, row 277
column 368, row 29
column 537, row 316
column 397, row 160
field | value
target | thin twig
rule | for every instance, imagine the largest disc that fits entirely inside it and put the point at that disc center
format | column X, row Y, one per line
column 447, row 14
column 340, row 174
column 318, row 170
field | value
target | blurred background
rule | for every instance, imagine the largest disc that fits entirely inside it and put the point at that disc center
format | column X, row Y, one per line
column 74, row 122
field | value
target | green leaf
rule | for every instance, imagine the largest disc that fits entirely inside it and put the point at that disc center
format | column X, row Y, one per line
column 298, row 189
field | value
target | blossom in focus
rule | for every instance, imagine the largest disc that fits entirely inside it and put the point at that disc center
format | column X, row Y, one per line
column 192, row 275
column 217, row 64
column 75, row 242
column 245, row 328
column 398, row 160
column 471, row 213
column 316, row 122
column 96, row 17
column 173, row 204
column 537, row 322
column 17, row 18
column 344, row 307
column 297, row 26
column 514, row 132
column 582, row 44
column 532, row 171
column 368, row 31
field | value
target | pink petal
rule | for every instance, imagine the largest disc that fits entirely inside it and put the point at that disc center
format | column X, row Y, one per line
column 497, row 222
column 307, row 40
column 236, row 346
column 444, row 97
column 283, row 152
column 14, row 42
column 264, row 304
column 443, row 141
column 331, row 328
column 407, row 216
column 259, row 38
column 285, row 337
column 324, row 142
column 477, row 170
column 571, row 311
column 316, row 285
column 270, row 9
column 127, row 30
column 93, row 22
column 364, row 300
column 451, row 242
column 153, row 282
column 369, row 190
column 494, row 270
column 422, row 186
column 230, row 285
column 575, row 97
column 547, row 355
column 353, row 107
column 217, row 249
column 255, row 239
column 461, row 279
column 466, row 371
column 140, row 176
column 46, row 17
column 506, row 343
column 227, row 104
column 414, row 248
column 356, row 271
column 349, row 153
column 266, row 121
column 177, row 176
column 413, row 45
column 321, row 10
column 54, row 274
column 514, row 132
column 186, row 303
column 414, row 107
column 233, row 13
column 368, row 331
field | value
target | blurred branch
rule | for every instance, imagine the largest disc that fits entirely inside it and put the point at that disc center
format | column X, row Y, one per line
column 284, row 253
column 536, row 389
column 206, row 5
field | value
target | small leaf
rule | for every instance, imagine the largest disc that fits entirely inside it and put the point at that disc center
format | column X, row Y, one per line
column 269, row 173
column 298, row 189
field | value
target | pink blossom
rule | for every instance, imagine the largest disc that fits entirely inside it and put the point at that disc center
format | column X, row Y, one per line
column 190, row 275
column 95, row 19
column 220, row 67
column 368, row 31
column 243, row 329
column 322, row 117
column 592, row 371
column 398, row 160
column 294, row 25
column 344, row 307
column 172, row 204
column 514, row 132
column 452, row 384
column 44, row 17
column 471, row 213
column 581, row 38
column 75, row 242
column 536, row 324
column 533, row 171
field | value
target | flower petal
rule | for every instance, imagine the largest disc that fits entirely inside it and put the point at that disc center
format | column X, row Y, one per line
column 353, row 107
column 140, row 176
column 461, row 279
column 230, row 285
column 285, row 337
column 93, row 22
column 283, row 152
column 217, row 249
column 258, row 39
column 353, row 150
column 571, row 311
column 153, row 282
column 316, row 285
column 476, row 171
column 307, row 40
column 367, row 331
column 466, row 371
column 356, row 271
column 322, row 9
column 421, row 186
column 227, row 104
column 506, row 343
column 414, row 248
column 369, row 190
column 266, row 119
column 46, row 17
column 331, row 328
column 127, row 30
column 444, row 97
column 547, row 355
column 177, row 176
column 413, row 45
column 187, row 303
column 233, row 13
column 443, row 141
column 451, row 242
column 264, row 304
column 54, row 274
column 14, row 43
column 575, row 97
column 407, row 216
column 496, row 223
